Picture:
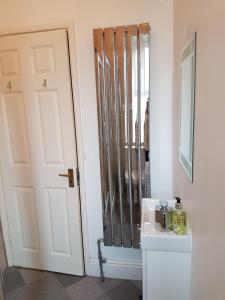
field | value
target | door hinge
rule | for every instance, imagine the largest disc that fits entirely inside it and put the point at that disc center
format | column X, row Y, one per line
column 78, row 176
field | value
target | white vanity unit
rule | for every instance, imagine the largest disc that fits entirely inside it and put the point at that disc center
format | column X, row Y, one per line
column 166, row 258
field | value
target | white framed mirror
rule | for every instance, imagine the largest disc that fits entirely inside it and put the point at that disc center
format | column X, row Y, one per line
column 187, row 106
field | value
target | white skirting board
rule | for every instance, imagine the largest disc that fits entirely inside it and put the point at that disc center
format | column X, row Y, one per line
column 131, row 270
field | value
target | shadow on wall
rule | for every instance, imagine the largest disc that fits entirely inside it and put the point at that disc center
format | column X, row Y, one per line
column 3, row 259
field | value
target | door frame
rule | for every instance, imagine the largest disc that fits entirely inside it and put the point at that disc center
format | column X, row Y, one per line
column 70, row 28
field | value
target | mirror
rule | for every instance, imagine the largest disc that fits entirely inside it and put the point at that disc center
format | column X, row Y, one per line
column 187, row 105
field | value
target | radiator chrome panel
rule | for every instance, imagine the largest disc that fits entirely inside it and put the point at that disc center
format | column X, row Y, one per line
column 123, row 88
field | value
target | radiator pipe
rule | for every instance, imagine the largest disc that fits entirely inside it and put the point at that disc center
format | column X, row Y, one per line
column 101, row 260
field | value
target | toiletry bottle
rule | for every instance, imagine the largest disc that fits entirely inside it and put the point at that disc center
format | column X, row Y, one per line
column 163, row 216
column 179, row 218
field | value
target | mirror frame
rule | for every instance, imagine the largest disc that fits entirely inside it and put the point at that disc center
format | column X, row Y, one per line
column 187, row 106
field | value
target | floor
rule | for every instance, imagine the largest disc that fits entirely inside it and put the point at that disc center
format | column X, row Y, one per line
column 24, row 284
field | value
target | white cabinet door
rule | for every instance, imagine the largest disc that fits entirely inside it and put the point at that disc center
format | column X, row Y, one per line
column 37, row 143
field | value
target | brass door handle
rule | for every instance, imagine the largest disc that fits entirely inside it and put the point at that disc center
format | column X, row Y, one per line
column 70, row 177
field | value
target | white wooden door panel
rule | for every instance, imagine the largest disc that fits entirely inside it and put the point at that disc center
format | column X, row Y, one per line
column 16, row 128
column 37, row 144
column 51, row 132
column 27, row 219
column 9, row 63
column 59, row 222
column 43, row 59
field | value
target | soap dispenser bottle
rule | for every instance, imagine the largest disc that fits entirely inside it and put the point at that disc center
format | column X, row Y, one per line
column 179, row 218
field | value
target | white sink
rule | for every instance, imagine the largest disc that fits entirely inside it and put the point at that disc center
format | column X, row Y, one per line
column 154, row 240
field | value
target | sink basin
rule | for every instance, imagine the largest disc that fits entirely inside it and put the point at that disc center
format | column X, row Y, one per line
column 154, row 240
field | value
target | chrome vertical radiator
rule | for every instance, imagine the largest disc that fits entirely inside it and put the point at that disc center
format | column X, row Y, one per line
column 122, row 63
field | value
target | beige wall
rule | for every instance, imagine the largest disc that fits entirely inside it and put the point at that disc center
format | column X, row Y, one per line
column 87, row 14
column 205, row 198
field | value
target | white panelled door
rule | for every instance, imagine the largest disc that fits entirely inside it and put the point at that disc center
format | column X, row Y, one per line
column 37, row 143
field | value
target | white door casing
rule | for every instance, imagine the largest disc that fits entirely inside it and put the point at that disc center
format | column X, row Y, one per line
column 37, row 143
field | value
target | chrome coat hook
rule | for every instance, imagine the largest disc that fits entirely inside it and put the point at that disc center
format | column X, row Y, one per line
column 44, row 84
column 9, row 85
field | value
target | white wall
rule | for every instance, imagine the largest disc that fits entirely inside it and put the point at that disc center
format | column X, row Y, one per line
column 204, row 199
column 87, row 14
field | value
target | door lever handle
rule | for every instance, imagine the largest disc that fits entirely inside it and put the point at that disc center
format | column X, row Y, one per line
column 70, row 177
column 64, row 175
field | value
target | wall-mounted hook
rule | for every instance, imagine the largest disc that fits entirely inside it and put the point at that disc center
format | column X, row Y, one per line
column 9, row 85
column 44, row 84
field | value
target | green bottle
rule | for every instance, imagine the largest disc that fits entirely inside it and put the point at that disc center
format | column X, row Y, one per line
column 179, row 219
